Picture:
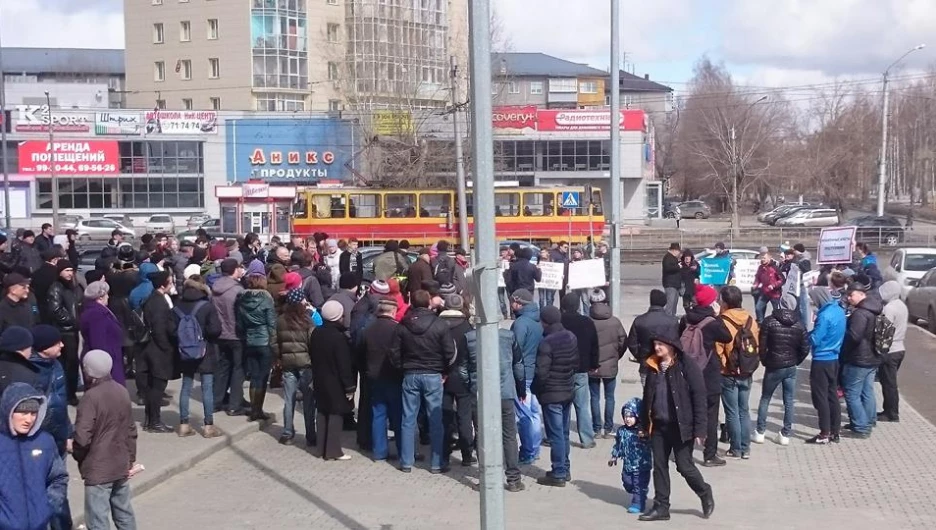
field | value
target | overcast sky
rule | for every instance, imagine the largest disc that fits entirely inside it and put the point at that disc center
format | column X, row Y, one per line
column 764, row 42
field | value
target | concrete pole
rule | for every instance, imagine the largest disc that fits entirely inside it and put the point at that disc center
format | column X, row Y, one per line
column 491, row 452
column 54, row 178
column 459, row 164
column 616, row 191
column 882, row 168
column 3, row 140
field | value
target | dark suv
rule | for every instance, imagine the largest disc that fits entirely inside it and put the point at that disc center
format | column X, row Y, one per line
column 885, row 230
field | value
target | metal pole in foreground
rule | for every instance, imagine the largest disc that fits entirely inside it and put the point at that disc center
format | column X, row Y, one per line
column 55, row 190
column 459, row 164
column 491, row 452
column 3, row 140
column 882, row 168
column 616, row 192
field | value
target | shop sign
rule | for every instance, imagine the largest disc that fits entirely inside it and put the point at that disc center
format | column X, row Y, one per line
column 514, row 117
column 304, row 165
column 96, row 157
column 192, row 122
column 392, row 123
column 118, row 123
column 554, row 120
column 36, row 118
column 256, row 191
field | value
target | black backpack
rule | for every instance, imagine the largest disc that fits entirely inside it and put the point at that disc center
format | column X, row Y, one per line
column 443, row 272
column 743, row 360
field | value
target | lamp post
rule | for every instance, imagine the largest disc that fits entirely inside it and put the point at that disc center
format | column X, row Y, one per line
column 3, row 141
column 882, row 169
column 614, row 281
column 54, row 179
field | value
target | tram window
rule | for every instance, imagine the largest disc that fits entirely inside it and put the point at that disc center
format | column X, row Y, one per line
column 596, row 202
column 300, row 208
column 364, row 205
column 400, row 205
column 469, row 201
column 538, row 204
column 506, row 204
column 435, row 204
column 328, row 206
column 569, row 211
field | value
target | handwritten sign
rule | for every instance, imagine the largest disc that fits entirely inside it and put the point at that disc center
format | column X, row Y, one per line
column 836, row 245
column 552, row 276
column 504, row 265
column 744, row 272
column 586, row 274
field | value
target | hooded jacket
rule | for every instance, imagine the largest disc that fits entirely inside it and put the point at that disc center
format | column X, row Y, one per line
column 528, row 333
column 427, row 346
column 828, row 332
column 628, row 445
column 858, row 347
column 291, row 347
column 557, row 361
column 459, row 380
column 656, row 322
column 712, row 333
column 869, row 265
column 207, row 316
column 687, row 396
column 51, row 381
column 105, row 433
column 585, row 333
column 896, row 311
column 141, row 293
column 224, row 295
column 256, row 318
column 33, row 478
column 612, row 340
column 783, row 341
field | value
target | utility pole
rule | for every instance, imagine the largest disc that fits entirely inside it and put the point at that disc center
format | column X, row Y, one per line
column 54, row 178
column 459, row 163
column 735, row 218
column 616, row 193
column 3, row 140
column 486, row 269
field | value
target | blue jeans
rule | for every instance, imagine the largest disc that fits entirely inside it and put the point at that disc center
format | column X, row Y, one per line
column 105, row 500
column 773, row 378
column 594, row 385
column 581, row 401
column 529, row 419
column 558, row 420
column 547, row 297
column 207, row 390
column 386, row 405
column 258, row 360
column 294, row 381
column 860, row 401
column 736, row 395
column 425, row 389
column 760, row 307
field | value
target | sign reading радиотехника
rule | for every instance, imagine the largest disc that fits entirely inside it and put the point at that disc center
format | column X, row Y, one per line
column 836, row 245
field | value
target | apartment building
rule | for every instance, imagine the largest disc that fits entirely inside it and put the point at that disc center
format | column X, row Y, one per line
column 74, row 77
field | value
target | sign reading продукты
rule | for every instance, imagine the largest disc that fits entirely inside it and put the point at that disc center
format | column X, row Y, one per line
column 97, row 157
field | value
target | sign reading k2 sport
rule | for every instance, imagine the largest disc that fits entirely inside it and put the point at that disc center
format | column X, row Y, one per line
column 36, row 118
column 75, row 157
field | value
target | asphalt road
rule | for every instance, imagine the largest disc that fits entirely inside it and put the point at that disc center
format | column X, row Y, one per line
column 917, row 375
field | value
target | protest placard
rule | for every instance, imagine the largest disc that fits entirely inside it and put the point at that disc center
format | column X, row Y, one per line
column 714, row 270
column 836, row 245
column 552, row 276
column 586, row 274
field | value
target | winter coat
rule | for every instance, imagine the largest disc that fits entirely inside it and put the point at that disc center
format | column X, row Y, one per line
column 161, row 354
column 33, row 477
column 39, row 285
column 122, row 284
column 348, row 262
column 628, row 445
column 783, row 341
column 51, row 382
column 24, row 313
column 224, row 295
column 29, row 258
column 586, row 334
column 768, row 281
column 828, row 332
column 458, row 381
column 689, row 276
column 688, row 392
column 105, row 434
column 522, row 275
column 141, row 293
column 276, row 284
column 381, row 350
column 858, row 347
column 735, row 320
column 426, row 344
column 672, row 273
column 713, row 333
column 62, row 304
column 869, row 266
column 896, row 311
column 419, row 272
column 100, row 330
column 333, row 260
column 209, row 321
column 389, row 264
column 529, row 333
column 312, row 289
column 612, row 341
column 291, row 348
column 656, row 322
column 15, row 369
column 332, row 372
column 43, row 243
column 256, row 318
column 556, row 364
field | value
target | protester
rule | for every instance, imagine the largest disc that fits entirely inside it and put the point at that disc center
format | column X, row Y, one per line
column 64, row 297
column 333, row 379
column 291, row 350
column 529, row 333
column 43, row 279
column 634, row 449
column 767, row 287
column 419, row 272
column 381, row 350
column 15, row 350
column 655, row 322
column 17, row 308
column 390, row 263
column 897, row 314
column 100, row 329
column 738, row 364
column 28, row 257
column 586, row 335
column 256, row 325
column 689, row 269
column 826, row 340
column 513, row 388
column 351, row 260
column 868, row 265
column 160, row 354
column 396, row 294
column 347, row 297
column 672, row 278
column 860, row 360
column 612, row 343
column 199, row 327
column 522, row 274
column 458, row 401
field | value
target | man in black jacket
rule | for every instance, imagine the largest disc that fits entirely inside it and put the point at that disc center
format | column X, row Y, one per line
column 62, row 309
column 556, row 363
column 656, row 322
column 28, row 257
column 427, row 351
column 458, row 401
column 44, row 239
column 17, row 308
column 522, row 274
column 44, row 277
column 351, row 260
column 859, row 359
column 381, row 351
column 15, row 348
column 784, row 344
column 674, row 416
column 672, row 278
column 587, row 336
column 160, row 352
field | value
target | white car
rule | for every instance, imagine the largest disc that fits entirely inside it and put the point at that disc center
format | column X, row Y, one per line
column 746, row 263
column 160, row 224
column 911, row 264
column 810, row 218
column 921, row 301
column 100, row 229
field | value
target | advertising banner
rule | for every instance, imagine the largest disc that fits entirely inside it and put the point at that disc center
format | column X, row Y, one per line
column 572, row 120
column 836, row 245
column 714, row 270
column 96, row 157
column 118, row 123
column 193, row 122
column 586, row 274
column 37, row 118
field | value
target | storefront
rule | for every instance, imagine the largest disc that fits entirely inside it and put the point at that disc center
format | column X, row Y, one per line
column 256, row 207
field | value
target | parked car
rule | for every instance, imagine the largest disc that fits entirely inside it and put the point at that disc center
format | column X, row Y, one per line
column 160, row 224
column 921, row 301
column 911, row 264
column 780, row 212
column 68, row 222
column 810, row 218
column 100, row 229
column 121, row 218
column 196, row 220
column 695, row 209
column 885, row 230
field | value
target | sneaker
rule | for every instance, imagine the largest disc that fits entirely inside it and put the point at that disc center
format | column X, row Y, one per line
column 758, row 437
column 634, row 508
column 210, row 431
column 781, row 439
column 731, row 453
column 818, row 440
column 286, row 439
column 406, row 469
column 514, row 487
column 343, row 458
column 469, row 461
column 715, row 461
column 835, row 438
column 185, row 430
column 745, row 456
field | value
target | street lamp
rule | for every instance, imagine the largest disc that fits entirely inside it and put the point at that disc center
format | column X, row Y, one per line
column 55, row 190
column 882, row 169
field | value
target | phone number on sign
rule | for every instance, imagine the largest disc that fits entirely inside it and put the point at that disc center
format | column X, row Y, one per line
column 77, row 168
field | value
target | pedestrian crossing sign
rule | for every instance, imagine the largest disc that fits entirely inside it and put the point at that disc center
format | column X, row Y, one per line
column 570, row 199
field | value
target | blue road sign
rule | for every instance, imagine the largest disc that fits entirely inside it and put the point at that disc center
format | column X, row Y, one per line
column 570, row 199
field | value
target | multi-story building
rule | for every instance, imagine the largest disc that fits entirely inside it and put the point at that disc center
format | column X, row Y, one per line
column 291, row 55
column 75, row 77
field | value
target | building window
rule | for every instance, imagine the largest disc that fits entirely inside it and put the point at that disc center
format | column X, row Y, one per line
column 495, row 88
column 214, row 68
column 160, row 103
column 187, row 103
column 157, row 2
column 185, row 31
column 332, row 32
column 215, row 103
column 332, row 71
column 563, row 85
column 159, row 36
column 159, row 71
column 185, row 69
column 513, row 87
column 588, row 87
column 273, row 102
column 536, row 88
column 212, row 29
column 334, row 105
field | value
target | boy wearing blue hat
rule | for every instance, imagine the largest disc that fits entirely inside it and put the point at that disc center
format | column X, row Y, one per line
column 634, row 450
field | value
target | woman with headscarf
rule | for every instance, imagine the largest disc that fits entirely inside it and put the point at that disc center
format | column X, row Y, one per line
column 333, row 380
column 100, row 328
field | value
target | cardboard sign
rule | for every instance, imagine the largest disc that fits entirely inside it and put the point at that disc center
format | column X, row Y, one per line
column 504, row 265
column 744, row 271
column 714, row 270
column 836, row 245
column 552, row 276
column 586, row 274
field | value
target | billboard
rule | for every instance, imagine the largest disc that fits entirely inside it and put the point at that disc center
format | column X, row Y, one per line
column 75, row 157
column 565, row 120
column 293, row 151
column 192, row 122
column 118, row 123
column 37, row 118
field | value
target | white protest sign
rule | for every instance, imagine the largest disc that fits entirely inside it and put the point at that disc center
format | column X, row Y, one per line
column 836, row 244
column 552, row 275
column 744, row 272
column 586, row 274
column 504, row 265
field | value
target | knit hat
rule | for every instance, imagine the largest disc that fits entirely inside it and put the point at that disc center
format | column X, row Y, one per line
column 256, row 267
column 331, row 243
column 386, row 301
column 193, row 269
column 15, row 338
column 217, row 251
column 597, row 295
column 45, row 336
column 97, row 290
column 295, row 296
column 380, row 287
column 455, row 302
column 228, row 266
column 447, row 290
column 292, row 280
column 550, row 315
column 522, row 296
column 705, row 295
column 64, row 264
column 237, row 256
column 332, row 311
column 28, row 406
column 859, row 282
column 97, row 364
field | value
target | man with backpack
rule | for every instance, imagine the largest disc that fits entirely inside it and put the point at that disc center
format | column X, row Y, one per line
column 739, row 360
column 198, row 327
column 860, row 356
column 443, row 265
column 896, row 312
column 700, row 330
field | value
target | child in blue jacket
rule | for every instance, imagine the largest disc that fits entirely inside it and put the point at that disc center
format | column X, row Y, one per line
column 635, row 452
